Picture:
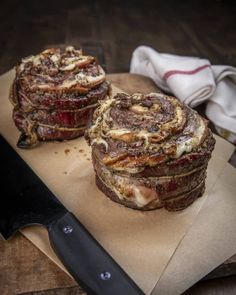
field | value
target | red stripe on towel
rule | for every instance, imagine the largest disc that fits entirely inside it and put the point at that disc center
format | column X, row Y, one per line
column 174, row 72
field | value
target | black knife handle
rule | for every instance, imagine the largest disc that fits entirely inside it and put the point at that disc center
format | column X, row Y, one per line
column 90, row 265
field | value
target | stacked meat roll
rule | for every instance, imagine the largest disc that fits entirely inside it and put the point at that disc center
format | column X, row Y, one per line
column 150, row 151
column 55, row 94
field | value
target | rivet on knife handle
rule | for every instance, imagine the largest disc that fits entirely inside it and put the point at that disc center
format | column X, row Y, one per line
column 90, row 265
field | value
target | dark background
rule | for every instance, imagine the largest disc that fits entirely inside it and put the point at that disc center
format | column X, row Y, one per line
column 113, row 29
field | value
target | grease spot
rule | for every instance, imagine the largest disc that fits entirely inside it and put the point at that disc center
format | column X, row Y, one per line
column 66, row 151
column 81, row 151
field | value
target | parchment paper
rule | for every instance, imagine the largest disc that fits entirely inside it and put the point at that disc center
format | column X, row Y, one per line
column 210, row 241
column 141, row 242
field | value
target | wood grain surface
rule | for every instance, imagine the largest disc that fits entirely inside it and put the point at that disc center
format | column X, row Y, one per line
column 203, row 28
column 25, row 270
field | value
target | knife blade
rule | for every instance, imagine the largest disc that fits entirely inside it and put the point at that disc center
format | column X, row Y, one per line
column 28, row 201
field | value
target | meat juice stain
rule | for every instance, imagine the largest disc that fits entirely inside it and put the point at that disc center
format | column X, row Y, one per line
column 66, row 151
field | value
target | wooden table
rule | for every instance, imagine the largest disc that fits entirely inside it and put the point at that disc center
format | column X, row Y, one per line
column 25, row 270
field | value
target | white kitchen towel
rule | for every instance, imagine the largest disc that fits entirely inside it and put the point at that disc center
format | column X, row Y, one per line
column 193, row 80
column 221, row 108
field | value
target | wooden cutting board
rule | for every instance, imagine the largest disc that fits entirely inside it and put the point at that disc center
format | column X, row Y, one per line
column 24, row 269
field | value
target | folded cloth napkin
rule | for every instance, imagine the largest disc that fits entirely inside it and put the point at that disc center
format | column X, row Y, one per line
column 193, row 80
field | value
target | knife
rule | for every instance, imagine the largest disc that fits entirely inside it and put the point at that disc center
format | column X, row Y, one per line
column 28, row 201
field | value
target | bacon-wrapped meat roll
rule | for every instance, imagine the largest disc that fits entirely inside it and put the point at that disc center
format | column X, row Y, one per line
column 55, row 94
column 150, row 151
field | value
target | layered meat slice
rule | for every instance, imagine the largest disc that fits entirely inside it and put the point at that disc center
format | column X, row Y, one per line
column 55, row 94
column 150, row 151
